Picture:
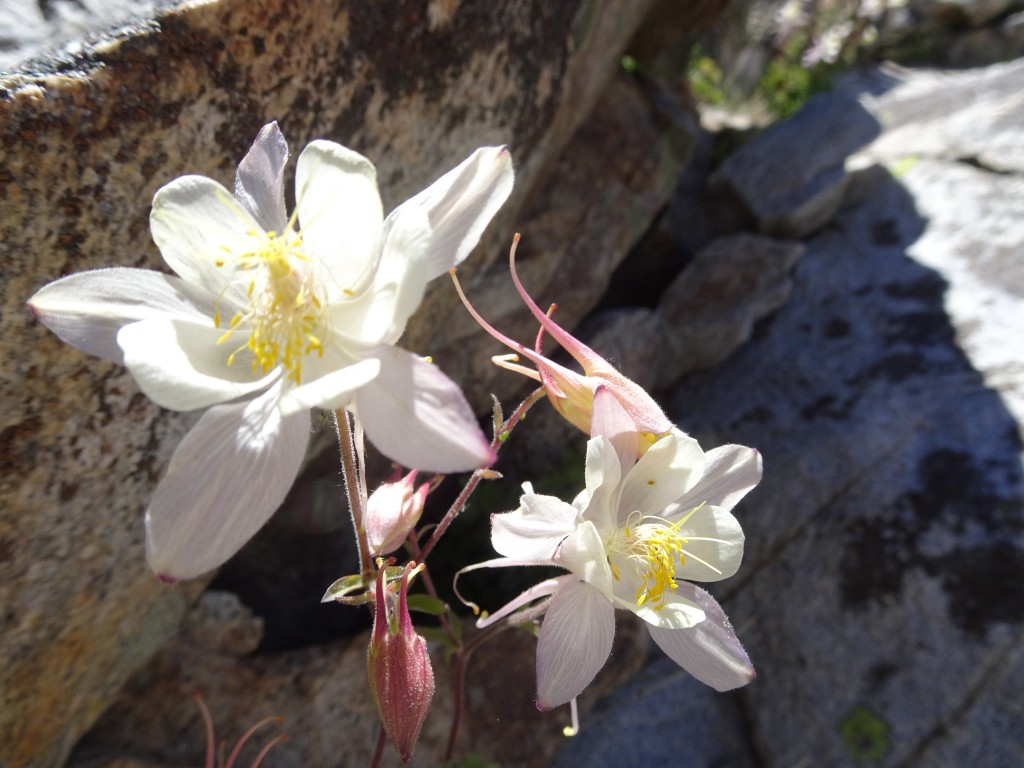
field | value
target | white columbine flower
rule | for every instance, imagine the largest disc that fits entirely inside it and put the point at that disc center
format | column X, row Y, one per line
column 629, row 540
column 269, row 316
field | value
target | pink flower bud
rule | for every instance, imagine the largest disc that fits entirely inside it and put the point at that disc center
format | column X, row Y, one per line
column 571, row 393
column 392, row 511
column 401, row 677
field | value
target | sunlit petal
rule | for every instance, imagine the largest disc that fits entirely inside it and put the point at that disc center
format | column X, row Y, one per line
column 575, row 640
column 228, row 475
column 710, row 651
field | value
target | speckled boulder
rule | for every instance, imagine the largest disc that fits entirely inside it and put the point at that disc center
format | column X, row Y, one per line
column 88, row 138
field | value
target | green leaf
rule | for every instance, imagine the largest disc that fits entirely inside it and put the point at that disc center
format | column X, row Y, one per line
column 346, row 585
column 427, row 604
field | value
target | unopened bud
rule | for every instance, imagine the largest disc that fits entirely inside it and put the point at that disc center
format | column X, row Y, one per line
column 392, row 511
column 401, row 677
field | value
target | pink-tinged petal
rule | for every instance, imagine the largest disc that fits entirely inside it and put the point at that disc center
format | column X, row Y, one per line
column 332, row 391
column 225, row 480
column 730, row 472
column 201, row 230
column 575, row 640
column 459, row 206
column 86, row 310
column 259, row 181
column 534, row 531
column 583, row 553
column 340, row 215
column 710, row 651
column 670, row 467
column 611, row 421
column 180, row 365
column 419, row 418
column 643, row 411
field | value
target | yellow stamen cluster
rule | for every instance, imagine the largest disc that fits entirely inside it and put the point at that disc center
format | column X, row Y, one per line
column 656, row 550
column 285, row 316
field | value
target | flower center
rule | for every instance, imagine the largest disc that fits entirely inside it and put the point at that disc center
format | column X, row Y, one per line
column 655, row 548
column 285, row 313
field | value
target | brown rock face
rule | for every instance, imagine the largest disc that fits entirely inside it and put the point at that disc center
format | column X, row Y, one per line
column 415, row 86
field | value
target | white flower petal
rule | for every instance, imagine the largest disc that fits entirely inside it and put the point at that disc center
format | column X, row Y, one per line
column 340, row 215
column 86, row 310
column 677, row 612
column 332, row 391
column 710, row 650
column 534, row 531
column 583, row 553
column 600, row 501
column 460, row 205
column 730, row 472
column 225, row 480
column 180, row 365
column 575, row 640
column 259, row 181
column 418, row 417
column 196, row 223
column 401, row 278
column 714, row 545
column 661, row 476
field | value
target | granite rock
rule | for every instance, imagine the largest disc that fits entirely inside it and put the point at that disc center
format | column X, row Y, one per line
column 328, row 712
column 709, row 310
column 790, row 178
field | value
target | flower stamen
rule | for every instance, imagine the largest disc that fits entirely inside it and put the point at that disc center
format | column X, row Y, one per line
column 285, row 315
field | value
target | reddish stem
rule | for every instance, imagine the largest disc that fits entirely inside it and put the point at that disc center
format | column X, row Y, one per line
column 459, row 504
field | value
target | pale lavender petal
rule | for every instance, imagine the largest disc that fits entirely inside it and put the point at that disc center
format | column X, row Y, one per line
column 730, row 472
column 534, row 531
column 611, row 421
column 575, row 640
column 418, row 417
column 86, row 310
column 503, row 562
column 225, row 480
column 259, row 181
column 460, row 205
column 531, row 595
column 180, row 365
column 710, row 651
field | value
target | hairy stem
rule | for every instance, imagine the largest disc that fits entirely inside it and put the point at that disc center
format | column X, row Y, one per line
column 350, row 463
column 501, row 434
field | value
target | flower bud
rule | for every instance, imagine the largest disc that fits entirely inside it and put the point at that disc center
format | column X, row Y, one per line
column 392, row 511
column 401, row 678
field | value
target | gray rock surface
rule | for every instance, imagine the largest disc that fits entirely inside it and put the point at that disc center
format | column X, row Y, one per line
column 790, row 178
column 709, row 310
